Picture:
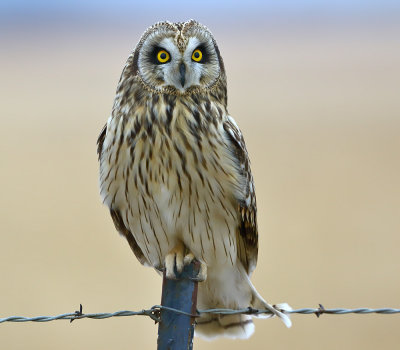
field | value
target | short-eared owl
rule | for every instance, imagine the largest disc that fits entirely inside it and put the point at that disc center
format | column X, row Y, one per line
column 175, row 173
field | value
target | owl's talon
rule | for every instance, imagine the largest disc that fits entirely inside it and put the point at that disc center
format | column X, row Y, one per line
column 179, row 262
column 170, row 266
column 174, row 259
column 188, row 258
column 202, row 275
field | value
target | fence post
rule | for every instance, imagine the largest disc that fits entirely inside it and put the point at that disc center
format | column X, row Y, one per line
column 175, row 331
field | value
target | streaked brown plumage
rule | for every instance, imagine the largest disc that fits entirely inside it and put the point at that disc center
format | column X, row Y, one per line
column 175, row 172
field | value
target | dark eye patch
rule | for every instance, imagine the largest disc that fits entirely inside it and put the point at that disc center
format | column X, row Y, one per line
column 204, row 51
column 152, row 57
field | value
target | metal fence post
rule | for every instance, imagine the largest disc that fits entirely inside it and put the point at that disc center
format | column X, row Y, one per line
column 175, row 331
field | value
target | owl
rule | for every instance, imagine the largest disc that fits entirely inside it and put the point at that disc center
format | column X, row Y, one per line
column 175, row 173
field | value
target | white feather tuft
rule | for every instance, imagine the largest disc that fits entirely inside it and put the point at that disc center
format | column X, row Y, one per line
column 228, row 326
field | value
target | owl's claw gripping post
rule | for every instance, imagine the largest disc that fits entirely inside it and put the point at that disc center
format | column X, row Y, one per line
column 202, row 275
column 174, row 258
column 177, row 258
column 189, row 257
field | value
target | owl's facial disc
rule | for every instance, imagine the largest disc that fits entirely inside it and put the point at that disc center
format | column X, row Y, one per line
column 163, row 65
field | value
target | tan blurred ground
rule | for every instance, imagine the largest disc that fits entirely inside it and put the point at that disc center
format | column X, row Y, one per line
column 321, row 116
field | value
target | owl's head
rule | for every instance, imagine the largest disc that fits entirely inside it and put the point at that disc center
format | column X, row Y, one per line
column 178, row 58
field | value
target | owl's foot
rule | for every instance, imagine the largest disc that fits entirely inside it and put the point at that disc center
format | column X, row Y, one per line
column 202, row 275
column 177, row 258
column 174, row 258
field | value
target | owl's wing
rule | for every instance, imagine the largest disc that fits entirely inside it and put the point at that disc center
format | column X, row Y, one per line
column 247, row 234
column 100, row 140
column 124, row 231
column 116, row 215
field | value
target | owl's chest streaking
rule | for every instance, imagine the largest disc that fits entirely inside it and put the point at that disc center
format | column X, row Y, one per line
column 170, row 172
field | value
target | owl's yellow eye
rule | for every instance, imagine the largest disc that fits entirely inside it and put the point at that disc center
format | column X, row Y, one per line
column 162, row 56
column 197, row 55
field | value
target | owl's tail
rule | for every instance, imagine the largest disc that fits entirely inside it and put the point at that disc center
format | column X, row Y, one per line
column 229, row 326
column 234, row 291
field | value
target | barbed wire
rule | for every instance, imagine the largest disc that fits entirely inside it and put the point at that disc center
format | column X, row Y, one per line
column 155, row 312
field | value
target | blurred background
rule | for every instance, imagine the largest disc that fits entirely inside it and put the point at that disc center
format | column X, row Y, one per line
column 313, row 85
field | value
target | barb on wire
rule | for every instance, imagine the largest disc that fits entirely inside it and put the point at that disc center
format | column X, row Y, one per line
column 154, row 313
column 77, row 313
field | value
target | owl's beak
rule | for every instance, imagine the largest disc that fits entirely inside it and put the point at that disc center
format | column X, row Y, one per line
column 182, row 72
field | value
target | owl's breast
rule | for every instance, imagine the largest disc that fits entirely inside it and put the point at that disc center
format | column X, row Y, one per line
column 175, row 182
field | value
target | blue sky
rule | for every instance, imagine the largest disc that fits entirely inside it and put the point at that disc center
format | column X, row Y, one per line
column 244, row 13
column 102, row 6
